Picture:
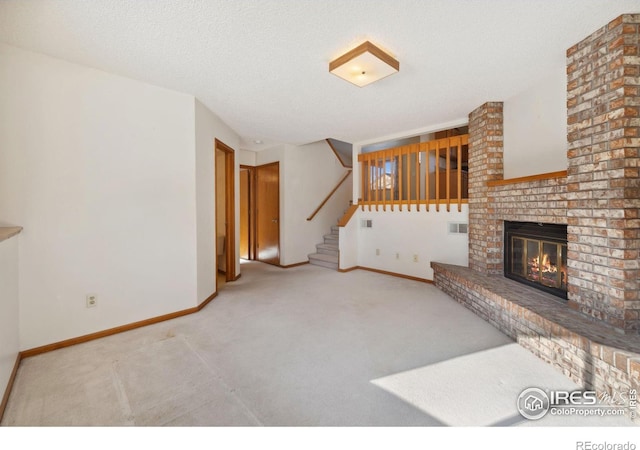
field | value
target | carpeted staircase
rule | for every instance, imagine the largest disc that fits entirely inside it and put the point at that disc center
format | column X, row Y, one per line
column 327, row 252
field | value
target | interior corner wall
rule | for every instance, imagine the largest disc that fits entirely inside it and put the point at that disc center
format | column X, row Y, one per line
column 348, row 242
column 535, row 128
column 208, row 128
column 247, row 158
column 99, row 170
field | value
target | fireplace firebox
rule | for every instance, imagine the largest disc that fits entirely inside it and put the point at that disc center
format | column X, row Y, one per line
column 536, row 254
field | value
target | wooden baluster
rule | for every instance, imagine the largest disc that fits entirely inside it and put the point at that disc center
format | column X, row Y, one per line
column 448, row 174
column 376, row 180
column 438, row 176
column 394, row 166
column 427, row 183
column 409, row 172
column 384, row 182
column 417, row 175
column 398, row 156
column 363, row 180
column 459, row 176
column 390, row 164
column 368, row 180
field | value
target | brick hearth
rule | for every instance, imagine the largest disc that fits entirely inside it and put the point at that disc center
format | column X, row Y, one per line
column 587, row 350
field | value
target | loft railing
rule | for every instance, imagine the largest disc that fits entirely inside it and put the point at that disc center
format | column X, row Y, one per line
column 426, row 173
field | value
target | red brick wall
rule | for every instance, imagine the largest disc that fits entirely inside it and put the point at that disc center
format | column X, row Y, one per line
column 603, row 174
column 485, row 164
column 543, row 201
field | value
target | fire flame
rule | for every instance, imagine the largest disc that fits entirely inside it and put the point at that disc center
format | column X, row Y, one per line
column 543, row 265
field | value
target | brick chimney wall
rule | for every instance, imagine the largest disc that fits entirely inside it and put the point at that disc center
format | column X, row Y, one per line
column 603, row 102
column 485, row 164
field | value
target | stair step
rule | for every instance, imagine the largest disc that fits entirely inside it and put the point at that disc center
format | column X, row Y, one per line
column 331, row 239
column 327, row 249
column 335, row 229
column 328, row 261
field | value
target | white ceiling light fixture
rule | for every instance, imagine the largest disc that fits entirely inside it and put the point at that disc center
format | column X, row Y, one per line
column 364, row 64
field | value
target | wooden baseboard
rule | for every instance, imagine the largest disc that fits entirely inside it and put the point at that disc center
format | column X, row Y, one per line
column 393, row 274
column 350, row 269
column 207, row 301
column 116, row 330
column 7, row 391
column 294, row 265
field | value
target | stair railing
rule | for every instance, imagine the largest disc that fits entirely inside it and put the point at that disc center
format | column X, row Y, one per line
column 344, row 178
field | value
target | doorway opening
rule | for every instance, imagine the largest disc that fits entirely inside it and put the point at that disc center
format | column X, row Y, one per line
column 225, row 213
column 247, row 213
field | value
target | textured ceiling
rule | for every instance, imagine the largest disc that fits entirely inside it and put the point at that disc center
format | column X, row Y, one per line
column 262, row 66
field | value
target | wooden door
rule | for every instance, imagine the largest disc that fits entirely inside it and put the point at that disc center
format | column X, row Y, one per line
column 268, row 213
column 227, row 220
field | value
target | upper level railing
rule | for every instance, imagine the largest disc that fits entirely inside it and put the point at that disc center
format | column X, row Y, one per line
column 433, row 172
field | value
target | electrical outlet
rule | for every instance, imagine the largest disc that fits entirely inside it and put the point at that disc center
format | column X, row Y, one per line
column 415, row 258
column 92, row 300
column 377, row 252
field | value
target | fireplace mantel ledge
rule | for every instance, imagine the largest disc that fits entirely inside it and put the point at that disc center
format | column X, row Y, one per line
column 539, row 177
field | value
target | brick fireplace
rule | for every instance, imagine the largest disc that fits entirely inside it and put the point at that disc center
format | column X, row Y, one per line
column 594, row 336
column 598, row 198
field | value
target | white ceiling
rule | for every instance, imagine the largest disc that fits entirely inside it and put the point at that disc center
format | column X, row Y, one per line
column 262, row 65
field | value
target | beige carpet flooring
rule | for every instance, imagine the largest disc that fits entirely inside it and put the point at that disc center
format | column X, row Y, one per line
column 305, row 346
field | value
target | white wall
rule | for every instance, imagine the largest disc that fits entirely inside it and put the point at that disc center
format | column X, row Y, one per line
column 409, row 233
column 535, row 128
column 247, row 158
column 349, row 242
column 99, row 169
column 208, row 127
column 9, row 309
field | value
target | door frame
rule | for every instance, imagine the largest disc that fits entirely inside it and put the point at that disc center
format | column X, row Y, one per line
column 252, row 256
column 230, row 209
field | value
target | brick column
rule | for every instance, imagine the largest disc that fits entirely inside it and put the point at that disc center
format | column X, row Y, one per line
column 603, row 175
column 485, row 164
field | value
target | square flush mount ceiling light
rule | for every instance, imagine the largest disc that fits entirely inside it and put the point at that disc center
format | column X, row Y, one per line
column 364, row 64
